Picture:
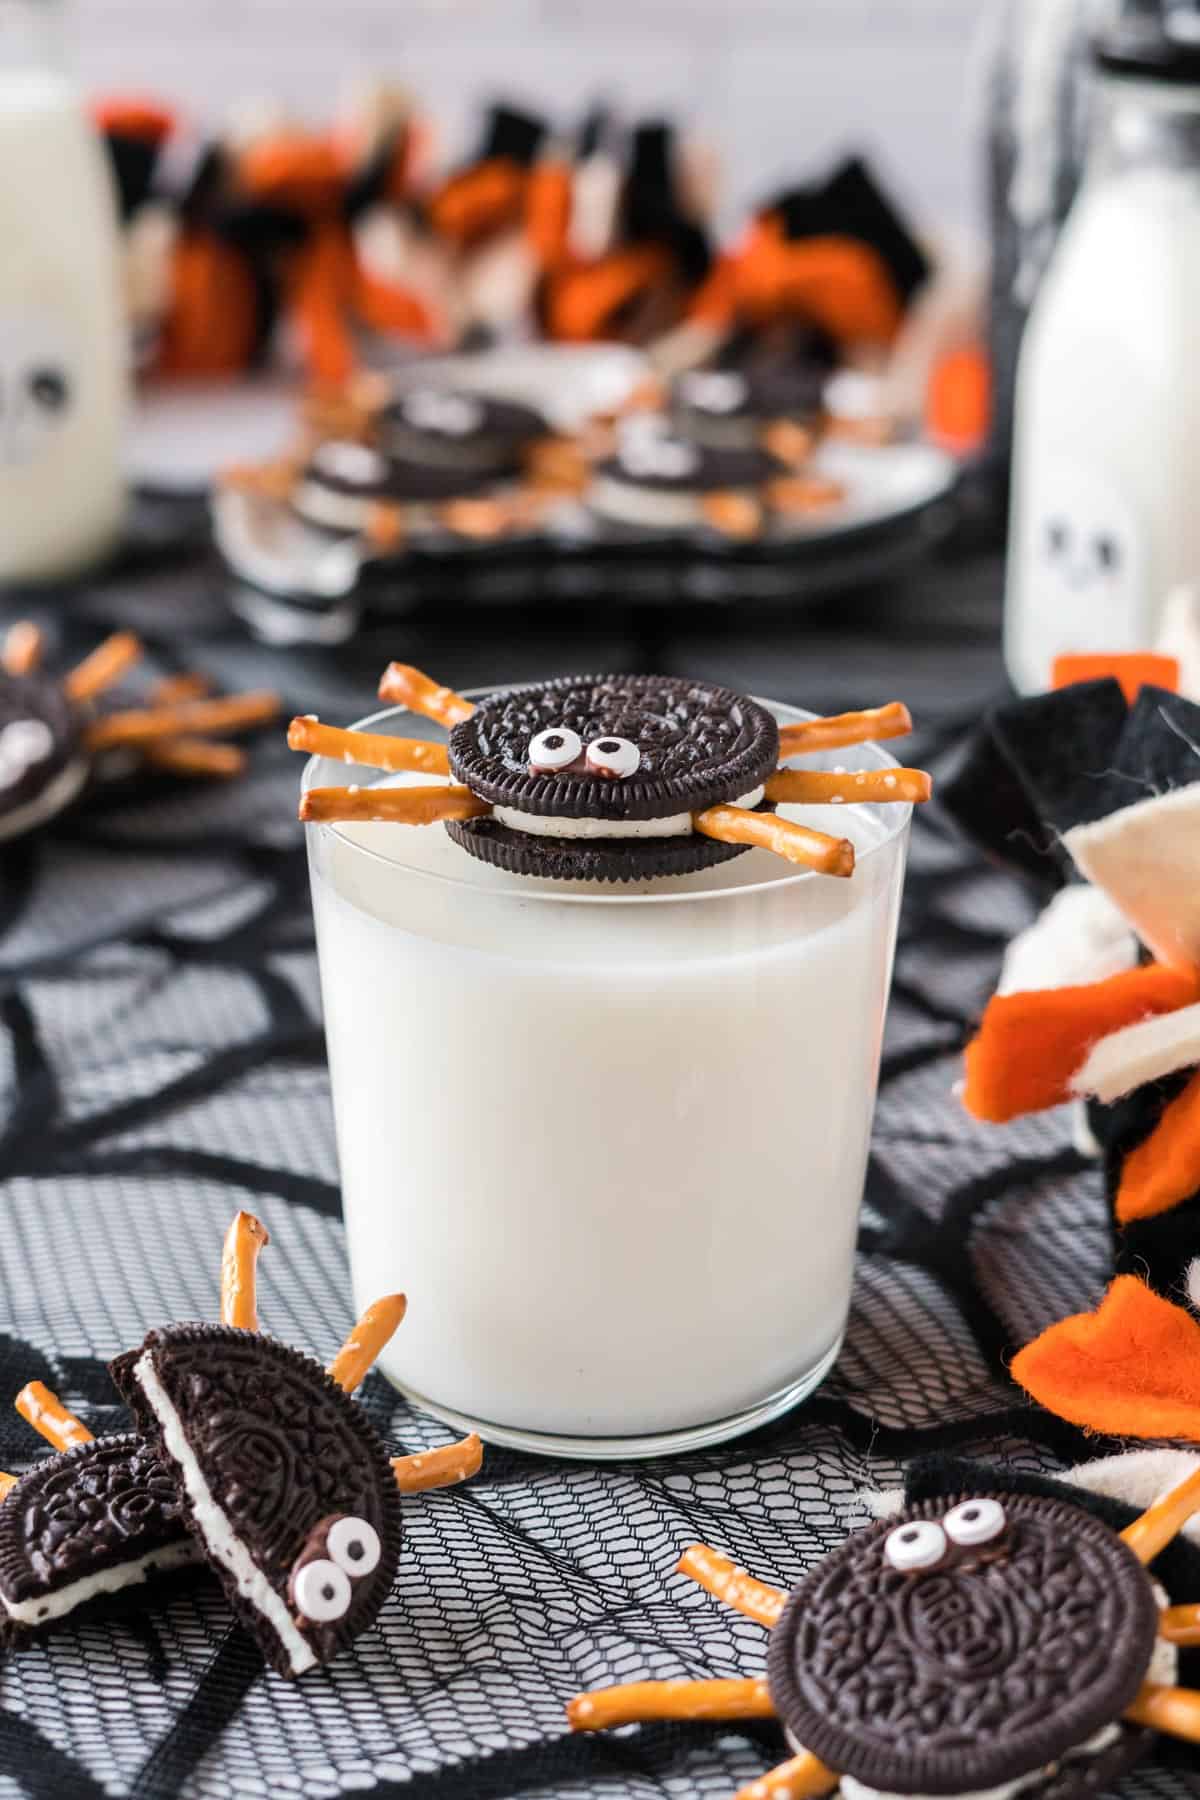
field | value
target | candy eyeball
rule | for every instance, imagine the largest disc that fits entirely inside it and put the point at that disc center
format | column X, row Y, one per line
column 645, row 447
column 555, row 748
column 354, row 1546
column 450, row 415
column 615, row 758
column 714, row 390
column 321, row 1591
column 920, row 1544
column 23, row 744
column 975, row 1522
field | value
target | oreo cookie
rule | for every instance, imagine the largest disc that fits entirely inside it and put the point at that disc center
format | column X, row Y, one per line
column 84, row 1524
column 281, row 1479
column 659, row 478
column 598, row 777
column 969, row 1643
column 346, row 481
column 458, row 431
column 42, row 766
column 731, row 408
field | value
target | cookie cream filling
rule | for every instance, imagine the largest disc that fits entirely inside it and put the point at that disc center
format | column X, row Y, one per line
column 52, row 799
column 334, row 508
column 634, row 504
column 673, row 825
column 213, row 1524
column 105, row 1581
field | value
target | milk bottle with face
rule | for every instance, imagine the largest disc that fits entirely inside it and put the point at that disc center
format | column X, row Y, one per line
column 62, row 340
column 1106, row 467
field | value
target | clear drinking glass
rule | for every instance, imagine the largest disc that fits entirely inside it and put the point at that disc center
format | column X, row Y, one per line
column 610, row 1141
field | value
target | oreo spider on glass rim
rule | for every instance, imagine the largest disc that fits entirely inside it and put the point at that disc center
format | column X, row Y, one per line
column 281, row 1479
column 609, row 777
column 991, row 1643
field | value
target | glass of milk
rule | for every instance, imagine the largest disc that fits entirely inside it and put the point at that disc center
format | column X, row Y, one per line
column 62, row 335
column 609, row 1140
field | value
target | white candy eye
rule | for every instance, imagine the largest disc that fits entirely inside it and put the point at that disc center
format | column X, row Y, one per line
column 921, row 1544
column 975, row 1522
column 321, row 1591
column 354, row 1546
column 614, row 757
column 556, row 748
column 342, row 460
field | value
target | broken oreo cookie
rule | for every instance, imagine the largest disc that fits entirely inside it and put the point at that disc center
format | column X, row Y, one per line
column 281, row 1478
column 101, row 1516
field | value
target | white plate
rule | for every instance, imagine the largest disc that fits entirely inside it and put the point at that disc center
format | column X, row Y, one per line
column 182, row 432
column 882, row 482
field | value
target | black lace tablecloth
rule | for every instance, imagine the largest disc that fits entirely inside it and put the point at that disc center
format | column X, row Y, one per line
column 162, row 1063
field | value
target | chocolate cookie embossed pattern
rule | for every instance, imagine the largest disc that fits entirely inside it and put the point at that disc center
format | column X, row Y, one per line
column 992, row 1643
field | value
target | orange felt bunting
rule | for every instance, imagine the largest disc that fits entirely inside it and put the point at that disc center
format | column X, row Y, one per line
column 485, row 198
column 1129, row 1369
column 1134, row 670
column 582, row 304
column 212, row 317
column 1030, row 1044
column 1164, row 1170
column 548, row 212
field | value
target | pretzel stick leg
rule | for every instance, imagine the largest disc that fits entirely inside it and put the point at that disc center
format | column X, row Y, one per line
column 722, row 1578
column 803, row 1778
column 890, row 721
column 200, row 718
column 816, row 787
column 23, row 648
column 239, row 1257
column 106, row 664
column 1164, row 1520
column 400, row 806
column 797, row 843
column 445, row 1467
column 195, row 756
column 1180, row 1625
column 173, row 688
column 367, row 1339
column 47, row 1414
column 406, row 686
column 7, row 1483
column 642, row 1701
column 365, row 747
column 1174, row 1710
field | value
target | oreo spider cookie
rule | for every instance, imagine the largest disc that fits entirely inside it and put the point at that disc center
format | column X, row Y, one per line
column 459, row 432
column 282, row 1481
column 969, row 1644
column 84, row 1524
column 345, row 482
column 598, row 777
column 659, row 478
column 729, row 408
column 42, row 766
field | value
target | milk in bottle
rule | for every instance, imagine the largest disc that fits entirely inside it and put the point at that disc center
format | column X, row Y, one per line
column 62, row 354
column 1106, row 466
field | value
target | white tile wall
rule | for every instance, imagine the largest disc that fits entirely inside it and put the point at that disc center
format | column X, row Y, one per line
column 780, row 85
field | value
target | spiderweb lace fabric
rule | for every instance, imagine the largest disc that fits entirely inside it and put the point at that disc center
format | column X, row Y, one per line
column 162, row 1063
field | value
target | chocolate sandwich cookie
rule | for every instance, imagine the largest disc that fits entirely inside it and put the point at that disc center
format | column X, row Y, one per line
column 734, row 408
column 598, row 777
column 659, row 478
column 968, row 1644
column 83, row 1524
column 464, row 433
column 346, row 483
column 282, row 1481
column 42, row 766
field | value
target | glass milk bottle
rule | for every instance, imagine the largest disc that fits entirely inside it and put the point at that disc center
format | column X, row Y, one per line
column 1106, row 470
column 62, row 339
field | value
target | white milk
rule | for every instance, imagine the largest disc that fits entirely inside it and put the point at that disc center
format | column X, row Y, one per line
column 62, row 341
column 1107, row 446
column 610, row 1143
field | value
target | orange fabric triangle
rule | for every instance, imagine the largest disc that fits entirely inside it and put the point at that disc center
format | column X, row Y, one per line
column 1133, row 669
column 1130, row 1369
column 1030, row 1044
column 1164, row 1170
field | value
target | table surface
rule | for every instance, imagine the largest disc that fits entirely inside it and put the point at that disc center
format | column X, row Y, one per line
column 162, row 1063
